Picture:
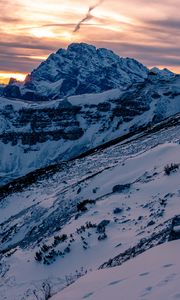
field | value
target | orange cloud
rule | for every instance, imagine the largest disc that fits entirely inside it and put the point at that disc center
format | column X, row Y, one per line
column 146, row 30
column 5, row 76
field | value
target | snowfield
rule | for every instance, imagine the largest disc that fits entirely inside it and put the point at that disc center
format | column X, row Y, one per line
column 130, row 206
column 152, row 275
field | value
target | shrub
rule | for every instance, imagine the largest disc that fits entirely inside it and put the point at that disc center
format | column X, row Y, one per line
column 102, row 237
column 117, row 210
column 38, row 256
column 101, row 227
column 45, row 248
column 170, row 168
column 82, row 205
column 67, row 249
column 121, row 188
column 59, row 239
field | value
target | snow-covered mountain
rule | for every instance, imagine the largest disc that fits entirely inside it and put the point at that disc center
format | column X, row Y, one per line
column 94, row 213
column 112, row 96
column 2, row 87
column 80, row 69
column 108, row 143
column 38, row 134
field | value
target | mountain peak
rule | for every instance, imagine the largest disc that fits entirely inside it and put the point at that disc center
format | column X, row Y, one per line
column 81, row 47
column 79, row 69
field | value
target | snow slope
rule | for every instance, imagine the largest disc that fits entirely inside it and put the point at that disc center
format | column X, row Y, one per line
column 129, row 177
column 154, row 274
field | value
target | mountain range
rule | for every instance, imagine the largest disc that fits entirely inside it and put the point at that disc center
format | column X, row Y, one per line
column 90, row 97
column 89, row 180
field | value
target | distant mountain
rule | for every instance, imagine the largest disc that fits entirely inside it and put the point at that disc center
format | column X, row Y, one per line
column 80, row 69
column 2, row 87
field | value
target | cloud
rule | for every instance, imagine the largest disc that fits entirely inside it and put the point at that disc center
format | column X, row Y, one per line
column 32, row 44
column 88, row 16
column 151, row 35
column 150, row 55
column 10, row 12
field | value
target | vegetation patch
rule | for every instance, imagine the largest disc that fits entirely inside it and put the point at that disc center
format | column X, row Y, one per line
column 82, row 206
column 170, row 168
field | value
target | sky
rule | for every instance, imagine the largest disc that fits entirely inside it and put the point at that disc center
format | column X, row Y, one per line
column 31, row 30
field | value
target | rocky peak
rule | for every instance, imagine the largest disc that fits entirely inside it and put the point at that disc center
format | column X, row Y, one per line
column 79, row 69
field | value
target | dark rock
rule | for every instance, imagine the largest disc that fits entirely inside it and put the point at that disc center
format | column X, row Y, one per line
column 12, row 91
column 175, row 232
column 155, row 96
column 104, row 107
column 117, row 210
column 121, row 188
column 101, row 227
column 151, row 223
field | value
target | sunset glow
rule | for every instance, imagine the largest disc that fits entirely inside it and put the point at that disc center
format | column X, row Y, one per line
column 4, row 77
column 42, row 33
column 31, row 30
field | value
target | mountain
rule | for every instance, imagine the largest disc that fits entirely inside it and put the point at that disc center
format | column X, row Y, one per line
column 124, row 96
column 80, row 69
column 96, row 212
column 37, row 134
column 2, row 86
column 89, row 180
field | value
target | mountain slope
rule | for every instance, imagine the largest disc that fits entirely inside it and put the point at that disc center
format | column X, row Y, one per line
column 35, row 135
column 152, row 275
column 133, row 202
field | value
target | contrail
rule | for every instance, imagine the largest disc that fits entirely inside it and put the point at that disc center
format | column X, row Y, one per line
column 88, row 16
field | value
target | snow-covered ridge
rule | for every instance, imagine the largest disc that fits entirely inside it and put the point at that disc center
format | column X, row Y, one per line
column 129, row 192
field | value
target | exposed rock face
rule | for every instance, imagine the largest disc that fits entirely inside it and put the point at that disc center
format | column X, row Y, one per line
column 175, row 231
column 35, row 135
column 42, row 124
column 78, row 70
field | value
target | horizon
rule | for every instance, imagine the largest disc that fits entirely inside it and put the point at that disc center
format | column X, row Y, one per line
column 30, row 32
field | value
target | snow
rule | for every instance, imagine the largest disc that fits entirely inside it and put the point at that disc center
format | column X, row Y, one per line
column 154, row 274
column 163, row 74
column 52, row 202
